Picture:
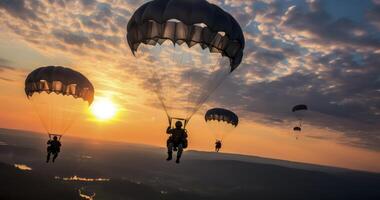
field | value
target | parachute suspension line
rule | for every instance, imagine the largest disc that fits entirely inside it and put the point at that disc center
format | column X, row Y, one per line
column 189, row 95
column 60, row 121
column 202, row 100
column 68, row 121
column 72, row 116
column 208, row 90
column 55, row 115
column 38, row 114
column 225, row 135
column 158, row 91
column 51, row 116
column 157, row 85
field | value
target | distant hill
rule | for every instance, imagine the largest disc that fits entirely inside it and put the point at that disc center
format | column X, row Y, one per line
column 141, row 172
column 38, row 140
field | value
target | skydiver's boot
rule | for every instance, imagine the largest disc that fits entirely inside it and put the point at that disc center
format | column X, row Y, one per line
column 170, row 156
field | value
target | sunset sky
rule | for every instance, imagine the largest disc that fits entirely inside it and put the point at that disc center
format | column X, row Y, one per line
column 325, row 54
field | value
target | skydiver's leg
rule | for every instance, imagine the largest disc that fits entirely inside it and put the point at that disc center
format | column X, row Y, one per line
column 48, row 156
column 170, row 151
column 179, row 153
column 55, row 156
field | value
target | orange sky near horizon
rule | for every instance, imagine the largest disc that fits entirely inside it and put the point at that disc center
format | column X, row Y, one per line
column 136, row 121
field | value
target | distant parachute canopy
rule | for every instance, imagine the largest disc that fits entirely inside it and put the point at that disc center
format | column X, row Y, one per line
column 299, row 112
column 297, row 128
column 220, row 114
column 187, row 21
column 299, row 107
column 60, row 80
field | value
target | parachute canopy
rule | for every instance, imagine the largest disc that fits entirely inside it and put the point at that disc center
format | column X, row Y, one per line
column 220, row 114
column 187, row 21
column 299, row 107
column 185, row 50
column 299, row 111
column 59, row 96
column 60, row 80
column 296, row 128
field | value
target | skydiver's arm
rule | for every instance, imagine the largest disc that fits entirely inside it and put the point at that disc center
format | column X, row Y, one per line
column 168, row 130
column 185, row 133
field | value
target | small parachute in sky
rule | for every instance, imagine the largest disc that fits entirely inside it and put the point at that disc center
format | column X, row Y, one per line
column 185, row 50
column 299, row 107
column 221, row 122
column 59, row 95
column 296, row 128
column 299, row 112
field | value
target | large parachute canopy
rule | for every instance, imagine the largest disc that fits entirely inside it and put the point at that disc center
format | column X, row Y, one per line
column 195, row 22
column 58, row 95
column 185, row 49
column 221, row 122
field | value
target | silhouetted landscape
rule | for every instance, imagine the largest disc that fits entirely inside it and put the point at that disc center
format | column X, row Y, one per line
column 129, row 171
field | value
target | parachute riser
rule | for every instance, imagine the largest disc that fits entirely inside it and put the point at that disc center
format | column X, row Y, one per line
column 51, row 135
column 184, row 121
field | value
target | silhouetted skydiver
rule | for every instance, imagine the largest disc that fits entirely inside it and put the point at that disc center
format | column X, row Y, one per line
column 54, row 147
column 218, row 145
column 297, row 129
column 177, row 140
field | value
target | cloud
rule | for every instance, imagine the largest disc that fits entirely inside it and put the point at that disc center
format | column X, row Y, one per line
column 4, row 65
column 88, row 4
column 72, row 38
column 338, row 98
column 4, row 61
column 373, row 16
column 5, row 79
column 322, row 28
column 21, row 9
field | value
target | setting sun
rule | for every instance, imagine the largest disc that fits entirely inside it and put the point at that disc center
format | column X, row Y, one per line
column 103, row 109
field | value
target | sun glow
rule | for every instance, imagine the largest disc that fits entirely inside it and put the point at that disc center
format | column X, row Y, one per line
column 103, row 109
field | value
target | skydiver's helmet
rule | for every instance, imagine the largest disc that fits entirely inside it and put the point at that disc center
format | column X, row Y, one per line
column 55, row 138
column 178, row 124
